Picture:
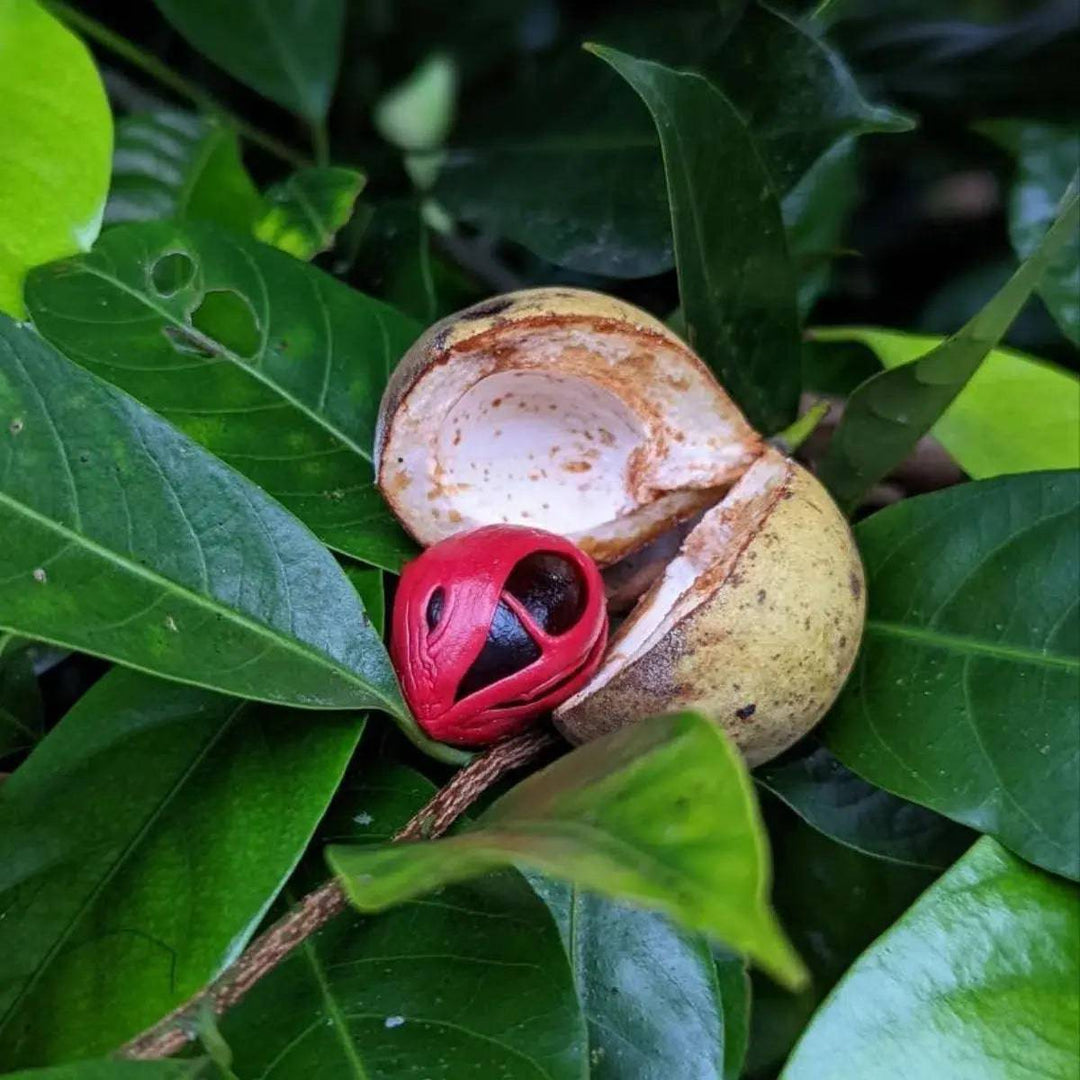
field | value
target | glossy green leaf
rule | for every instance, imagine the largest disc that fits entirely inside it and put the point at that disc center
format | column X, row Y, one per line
column 472, row 981
column 306, row 210
column 125, row 539
column 661, row 814
column 649, row 991
column 1016, row 414
column 140, row 845
column 847, row 809
column 736, row 284
column 173, row 164
column 21, row 719
column 963, row 698
column 272, row 365
column 286, row 51
column 977, row 980
column 889, row 413
column 56, row 140
column 1048, row 157
column 117, row 1070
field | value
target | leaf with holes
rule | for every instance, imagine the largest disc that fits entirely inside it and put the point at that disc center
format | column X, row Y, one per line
column 305, row 211
column 660, row 814
column 736, row 282
column 977, row 980
column 272, row 365
column 473, row 981
column 56, row 138
column 287, row 51
column 963, row 698
column 172, row 164
column 125, row 539
column 143, row 840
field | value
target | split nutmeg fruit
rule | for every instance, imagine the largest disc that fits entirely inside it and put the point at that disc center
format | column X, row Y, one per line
column 578, row 414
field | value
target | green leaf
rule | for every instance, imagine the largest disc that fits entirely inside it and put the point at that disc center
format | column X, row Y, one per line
column 661, row 814
column 418, row 114
column 849, row 810
column 306, row 210
column 733, row 985
column 272, row 365
column 369, row 586
column 963, row 698
column 288, row 52
column 116, row 1070
column 21, row 719
column 126, row 540
column 173, row 164
column 736, row 284
column 56, row 134
column 889, row 413
column 141, row 843
column 1048, row 157
column 977, row 980
column 648, row 990
column 473, row 981
column 989, row 427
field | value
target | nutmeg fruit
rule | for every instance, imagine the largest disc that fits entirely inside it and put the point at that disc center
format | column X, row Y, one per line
column 580, row 414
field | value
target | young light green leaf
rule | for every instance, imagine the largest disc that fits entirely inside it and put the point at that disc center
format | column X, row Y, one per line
column 271, row 364
column 471, row 982
column 736, row 284
column 988, row 429
column 648, row 990
column 305, row 211
column 173, row 164
column 1047, row 157
column 963, row 698
column 56, row 134
column 661, row 814
column 888, row 414
column 125, row 539
column 142, row 842
column 978, row 979
column 418, row 114
column 288, row 52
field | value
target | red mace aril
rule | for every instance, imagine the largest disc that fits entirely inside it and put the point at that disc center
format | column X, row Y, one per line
column 494, row 627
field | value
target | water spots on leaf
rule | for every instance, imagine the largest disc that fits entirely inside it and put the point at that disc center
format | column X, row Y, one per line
column 226, row 317
column 363, row 819
column 16, row 425
column 170, row 624
column 40, row 576
column 171, row 273
column 393, row 1021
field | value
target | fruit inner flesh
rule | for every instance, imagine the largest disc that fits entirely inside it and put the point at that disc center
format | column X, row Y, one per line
column 532, row 448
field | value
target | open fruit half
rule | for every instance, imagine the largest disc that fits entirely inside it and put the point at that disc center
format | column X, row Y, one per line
column 579, row 414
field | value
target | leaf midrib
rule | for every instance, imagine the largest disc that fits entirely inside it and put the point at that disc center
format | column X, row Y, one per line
column 199, row 600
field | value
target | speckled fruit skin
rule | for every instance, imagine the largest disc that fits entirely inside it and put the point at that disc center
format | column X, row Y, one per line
column 768, row 652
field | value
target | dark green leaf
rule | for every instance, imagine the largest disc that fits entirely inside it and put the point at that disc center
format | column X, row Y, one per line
column 977, row 980
column 648, row 990
column 963, row 698
column 889, row 413
column 1048, row 158
column 306, row 210
column 735, row 279
column 661, row 814
column 473, row 981
column 21, row 720
column 286, row 51
column 172, row 164
column 140, row 845
column 368, row 583
column 272, row 365
column 124, row 539
column 988, row 428
column 56, row 139
column 116, row 1070
column 849, row 810
column 733, row 984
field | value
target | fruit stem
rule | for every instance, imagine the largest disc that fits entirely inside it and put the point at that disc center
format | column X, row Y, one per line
column 315, row 910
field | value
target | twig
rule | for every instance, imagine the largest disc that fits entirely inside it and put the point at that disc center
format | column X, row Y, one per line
column 162, row 73
column 316, row 909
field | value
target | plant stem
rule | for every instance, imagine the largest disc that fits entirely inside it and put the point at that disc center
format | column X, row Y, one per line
column 150, row 65
column 316, row 909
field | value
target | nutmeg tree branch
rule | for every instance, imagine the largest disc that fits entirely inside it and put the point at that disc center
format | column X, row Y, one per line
column 315, row 910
